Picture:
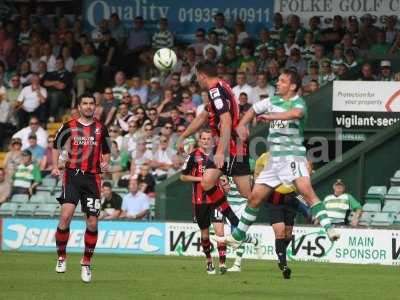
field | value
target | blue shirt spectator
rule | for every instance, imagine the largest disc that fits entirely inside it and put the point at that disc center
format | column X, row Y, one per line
column 135, row 205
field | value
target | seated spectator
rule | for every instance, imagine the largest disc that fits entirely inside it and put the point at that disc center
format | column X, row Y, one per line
column 340, row 204
column 139, row 89
column 157, row 121
column 109, row 106
column 111, row 203
column 308, row 49
column 155, row 93
column 194, row 90
column 187, row 103
column 34, row 58
column 168, row 102
column 59, row 86
column 5, row 187
column 32, row 101
column 311, row 87
column 200, row 42
column 150, row 138
column 338, row 57
column 213, row 42
column 264, row 59
column 244, row 105
column 319, row 54
column 145, row 180
column 290, row 43
column 280, row 56
column 14, row 90
column 6, row 128
column 243, row 87
column 245, row 58
column 313, row 74
column 117, row 28
column 13, row 157
column 36, row 150
column 123, row 117
column 164, row 37
column 169, row 131
column 341, row 72
column 350, row 58
column 367, row 73
column 121, row 87
column 42, row 71
column 326, row 74
column 68, row 59
column 386, row 73
column 25, row 73
column 263, row 89
column 27, row 176
column 141, row 117
column 295, row 62
column 140, row 156
column 46, row 164
column 85, row 69
column 265, row 42
column 35, row 128
column 273, row 73
column 186, row 75
column 135, row 205
column 390, row 29
column 48, row 57
column 115, row 135
column 162, row 159
column 119, row 162
column 129, row 139
column 206, row 100
column 380, row 46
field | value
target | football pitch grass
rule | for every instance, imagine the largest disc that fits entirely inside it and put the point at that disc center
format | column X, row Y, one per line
column 32, row 276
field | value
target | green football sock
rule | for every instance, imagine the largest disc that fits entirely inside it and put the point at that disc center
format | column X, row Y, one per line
column 318, row 211
column 248, row 217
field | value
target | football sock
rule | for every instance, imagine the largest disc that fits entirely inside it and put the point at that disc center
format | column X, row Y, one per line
column 248, row 217
column 90, row 245
column 280, row 251
column 62, row 236
column 239, row 255
column 318, row 211
column 222, row 253
column 287, row 242
column 206, row 245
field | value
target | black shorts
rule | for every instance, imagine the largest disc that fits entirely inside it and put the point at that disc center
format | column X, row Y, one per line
column 234, row 166
column 84, row 187
column 285, row 212
column 205, row 214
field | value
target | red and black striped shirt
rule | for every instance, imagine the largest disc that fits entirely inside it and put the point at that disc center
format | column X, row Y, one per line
column 85, row 144
column 195, row 165
column 223, row 100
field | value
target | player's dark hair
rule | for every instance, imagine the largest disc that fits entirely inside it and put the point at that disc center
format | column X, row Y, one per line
column 204, row 131
column 85, row 95
column 107, row 184
column 294, row 78
column 207, row 67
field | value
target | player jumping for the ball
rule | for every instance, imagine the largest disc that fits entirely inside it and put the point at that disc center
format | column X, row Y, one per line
column 85, row 139
column 286, row 114
column 222, row 115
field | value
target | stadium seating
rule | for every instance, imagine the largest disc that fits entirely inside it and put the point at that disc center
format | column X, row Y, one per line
column 8, row 209
column 382, row 219
column 26, row 209
column 366, row 218
column 45, row 210
column 391, row 206
column 20, row 198
column 395, row 180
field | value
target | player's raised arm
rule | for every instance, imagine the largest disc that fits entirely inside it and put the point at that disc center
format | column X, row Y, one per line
column 224, row 139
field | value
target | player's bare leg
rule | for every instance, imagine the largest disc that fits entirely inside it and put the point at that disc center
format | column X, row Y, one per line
column 280, row 247
column 304, row 188
column 206, row 245
column 219, row 231
column 90, row 244
column 62, row 236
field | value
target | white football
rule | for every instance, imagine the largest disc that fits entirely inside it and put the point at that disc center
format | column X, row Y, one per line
column 165, row 59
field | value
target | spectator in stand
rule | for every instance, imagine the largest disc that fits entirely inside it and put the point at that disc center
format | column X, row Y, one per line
column 5, row 116
column 240, row 32
column 263, row 89
column 85, row 69
column 386, row 73
column 59, row 86
column 246, row 58
column 350, row 58
column 312, row 87
column 123, row 117
column 150, row 138
column 340, row 204
column 68, row 59
column 191, row 59
column 97, row 33
column 390, row 29
column 167, row 103
column 42, row 71
column 348, row 43
column 295, row 62
column 136, row 204
column 308, row 49
column 368, row 32
column 139, row 89
column 164, row 37
column 313, row 74
column 155, row 92
column 177, row 162
column 334, row 34
column 129, row 139
column 280, row 56
column 186, row 75
column 27, row 176
column 277, row 27
column 34, row 57
column 111, row 203
column 243, row 87
column 140, row 156
column 25, row 73
column 120, row 87
column 264, row 59
column 119, row 163
column 341, row 72
column 141, row 117
column 220, row 28
column 244, row 104
column 265, row 42
column 34, row 127
column 187, row 103
column 290, row 43
column 117, row 29
column 338, row 57
column 46, row 164
column 380, row 47
column 115, row 136
column 367, row 73
column 31, row 101
column 200, row 43
column 157, row 121
column 273, row 73
column 175, row 118
column 109, row 56
column 326, row 74
column 48, row 57
column 162, row 159
column 36, row 150
column 145, row 180
column 109, row 106
column 14, row 90
column 139, row 40
column 396, row 45
column 13, row 157
column 213, row 42
column 5, row 187
column 194, row 90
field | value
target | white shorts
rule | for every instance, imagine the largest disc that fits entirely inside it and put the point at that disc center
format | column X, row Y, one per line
column 284, row 171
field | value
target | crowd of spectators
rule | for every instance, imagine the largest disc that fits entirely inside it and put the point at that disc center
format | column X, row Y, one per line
column 45, row 63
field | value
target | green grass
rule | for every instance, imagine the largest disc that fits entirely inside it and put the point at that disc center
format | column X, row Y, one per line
column 32, row 276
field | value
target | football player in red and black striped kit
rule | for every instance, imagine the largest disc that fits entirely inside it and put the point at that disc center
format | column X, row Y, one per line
column 86, row 141
column 230, row 156
column 206, row 212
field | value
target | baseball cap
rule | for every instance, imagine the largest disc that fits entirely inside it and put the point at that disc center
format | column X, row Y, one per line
column 386, row 64
column 26, row 153
column 154, row 79
column 339, row 182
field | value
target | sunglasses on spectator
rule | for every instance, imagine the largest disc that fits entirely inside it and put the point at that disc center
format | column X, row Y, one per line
column 115, row 130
